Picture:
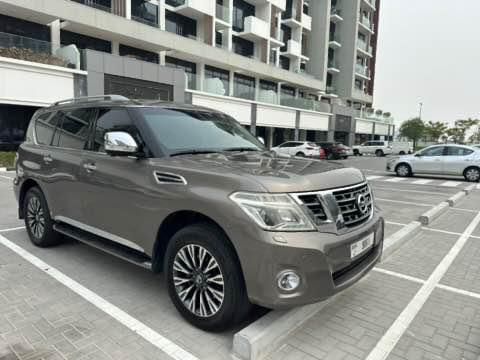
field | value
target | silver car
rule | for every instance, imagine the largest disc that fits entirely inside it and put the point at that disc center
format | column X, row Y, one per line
column 439, row 160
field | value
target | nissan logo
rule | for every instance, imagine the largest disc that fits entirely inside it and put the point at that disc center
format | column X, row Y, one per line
column 361, row 203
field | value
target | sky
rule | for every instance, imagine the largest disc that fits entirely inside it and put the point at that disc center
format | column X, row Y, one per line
column 429, row 52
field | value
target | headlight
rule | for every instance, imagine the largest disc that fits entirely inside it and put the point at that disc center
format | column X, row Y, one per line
column 273, row 212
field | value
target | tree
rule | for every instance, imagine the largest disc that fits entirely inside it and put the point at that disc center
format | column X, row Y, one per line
column 434, row 130
column 458, row 133
column 413, row 129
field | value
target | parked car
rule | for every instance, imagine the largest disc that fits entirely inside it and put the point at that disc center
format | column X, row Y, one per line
column 439, row 159
column 188, row 191
column 377, row 147
column 300, row 149
column 335, row 150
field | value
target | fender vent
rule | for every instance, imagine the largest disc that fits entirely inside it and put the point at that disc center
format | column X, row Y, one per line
column 169, row 178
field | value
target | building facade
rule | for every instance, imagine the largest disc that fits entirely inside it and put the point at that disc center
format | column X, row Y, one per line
column 286, row 69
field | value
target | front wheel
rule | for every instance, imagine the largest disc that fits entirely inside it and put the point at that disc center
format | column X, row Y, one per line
column 38, row 223
column 379, row 153
column 401, row 153
column 403, row 170
column 356, row 152
column 204, row 278
column 472, row 174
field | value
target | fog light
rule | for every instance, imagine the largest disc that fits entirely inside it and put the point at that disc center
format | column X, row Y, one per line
column 288, row 280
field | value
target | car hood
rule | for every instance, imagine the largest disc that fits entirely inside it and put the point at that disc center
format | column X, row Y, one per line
column 273, row 173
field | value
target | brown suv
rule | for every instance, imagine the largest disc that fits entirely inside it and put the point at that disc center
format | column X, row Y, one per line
column 188, row 191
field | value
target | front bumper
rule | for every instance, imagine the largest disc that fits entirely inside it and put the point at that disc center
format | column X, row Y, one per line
column 322, row 260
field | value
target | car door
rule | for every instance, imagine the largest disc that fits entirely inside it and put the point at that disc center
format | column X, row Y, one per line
column 69, row 141
column 295, row 148
column 111, row 194
column 429, row 161
column 283, row 148
column 457, row 159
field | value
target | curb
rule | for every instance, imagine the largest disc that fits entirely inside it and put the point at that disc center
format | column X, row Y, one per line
column 394, row 241
column 470, row 188
column 267, row 333
column 455, row 198
column 434, row 213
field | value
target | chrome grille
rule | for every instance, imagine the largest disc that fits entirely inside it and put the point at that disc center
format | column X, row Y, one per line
column 348, row 204
column 312, row 202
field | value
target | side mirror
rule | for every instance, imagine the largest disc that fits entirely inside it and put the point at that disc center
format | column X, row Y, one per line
column 261, row 139
column 120, row 143
column 418, row 155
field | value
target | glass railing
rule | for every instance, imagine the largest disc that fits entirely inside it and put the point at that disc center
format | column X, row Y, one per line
column 150, row 22
column 331, row 90
column 334, row 37
column 104, row 5
column 362, row 70
column 175, row 3
column 305, row 104
column 332, row 64
column 222, row 13
column 373, row 116
column 364, row 46
column 28, row 49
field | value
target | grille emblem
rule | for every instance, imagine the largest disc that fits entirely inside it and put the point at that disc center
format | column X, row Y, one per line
column 361, row 203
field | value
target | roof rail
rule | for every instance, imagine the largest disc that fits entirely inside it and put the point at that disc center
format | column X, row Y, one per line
column 92, row 98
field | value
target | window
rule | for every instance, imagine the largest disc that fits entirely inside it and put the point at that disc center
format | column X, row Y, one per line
column 145, row 12
column 216, row 73
column 458, row 151
column 14, row 121
column 241, row 10
column 285, row 62
column 189, row 68
column 287, row 91
column 244, row 87
column 435, row 151
column 180, row 25
column 268, row 85
column 11, row 25
column 84, row 41
column 139, row 54
column 288, row 145
column 110, row 120
column 242, row 46
column 45, row 127
column 74, row 130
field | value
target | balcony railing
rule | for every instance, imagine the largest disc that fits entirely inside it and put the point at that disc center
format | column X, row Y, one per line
column 222, row 13
column 331, row 89
column 97, row 4
column 332, row 64
column 175, row 3
column 362, row 70
column 335, row 11
column 305, row 104
column 372, row 116
column 145, row 21
column 28, row 49
column 364, row 46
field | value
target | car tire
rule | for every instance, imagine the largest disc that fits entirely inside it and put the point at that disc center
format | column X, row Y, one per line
column 300, row 154
column 472, row 174
column 37, row 218
column 379, row 153
column 208, row 304
column 403, row 170
column 401, row 153
column 330, row 157
column 356, row 152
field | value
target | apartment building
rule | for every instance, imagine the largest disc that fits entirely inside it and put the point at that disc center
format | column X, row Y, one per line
column 286, row 69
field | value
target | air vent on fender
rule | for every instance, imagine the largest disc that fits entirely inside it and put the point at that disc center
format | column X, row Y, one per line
column 169, row 178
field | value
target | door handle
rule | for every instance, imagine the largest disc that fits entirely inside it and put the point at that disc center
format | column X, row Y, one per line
column 47, row 159
column 89, row 167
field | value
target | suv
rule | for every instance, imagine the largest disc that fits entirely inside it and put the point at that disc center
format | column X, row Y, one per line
column 378, row 147
column 300, row 149
column 188, row 191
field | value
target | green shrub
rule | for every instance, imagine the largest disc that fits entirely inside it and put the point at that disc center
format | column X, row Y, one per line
column 7, row 159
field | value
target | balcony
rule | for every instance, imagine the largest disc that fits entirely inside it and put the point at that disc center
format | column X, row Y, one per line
column 280, row 4
column 362, row 71
column 255, row 29
column 333, row 67
column 361, row 95
column 365, row 24
column 306, row 22
column 336, row 15
column 222, row 13
column 104, row 5
column 195, row 9
column 294, row 49
column 305, row 104
column 369, row 4
column 370, row 114
column 331, row 90
column 364, row 48
column 334, row 42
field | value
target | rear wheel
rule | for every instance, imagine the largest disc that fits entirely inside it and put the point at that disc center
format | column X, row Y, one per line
column 401, row 153
column 300, row 154
column 472, row 174
column 204, row 278
column 379, row 153
column 38, row 223
column 356, row 152
column 403, row 170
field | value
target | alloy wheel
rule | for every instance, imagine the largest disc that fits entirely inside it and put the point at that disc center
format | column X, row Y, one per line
column 198, row 280
column 403, row 170
column 35, row 217
column 472, row 174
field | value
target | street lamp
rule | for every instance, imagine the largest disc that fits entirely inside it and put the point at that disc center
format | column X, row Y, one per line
column 420, row 105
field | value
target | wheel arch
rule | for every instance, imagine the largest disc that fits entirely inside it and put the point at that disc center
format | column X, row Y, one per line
column 26, row 185
column 172, row 224
column 470, row 167
column 403, row 163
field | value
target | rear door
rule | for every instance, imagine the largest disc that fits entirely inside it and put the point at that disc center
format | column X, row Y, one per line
column 430, row 161
column 457, row 159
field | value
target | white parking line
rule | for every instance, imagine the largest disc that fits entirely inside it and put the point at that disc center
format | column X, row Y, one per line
column 395, row 180
column 451, row 183
column 12, row 229
column 459, row 291
column 374, row 177
column 405, row 202
column 162, row 343
column 407, row 191
column 386, row 344
column 398, row 275
column 422, row 182
column 395, row 223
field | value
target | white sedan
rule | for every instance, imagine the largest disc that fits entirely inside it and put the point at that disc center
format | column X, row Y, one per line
column 439, row 160
column 301, row 149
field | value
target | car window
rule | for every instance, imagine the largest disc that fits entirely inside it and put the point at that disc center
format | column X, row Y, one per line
column 74, row 130
column 45, row 127
column 110, row 120
column 288, row 144
column 458, row 151
column 435, row 151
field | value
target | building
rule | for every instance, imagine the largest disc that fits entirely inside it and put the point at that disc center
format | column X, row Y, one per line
column 286, row 69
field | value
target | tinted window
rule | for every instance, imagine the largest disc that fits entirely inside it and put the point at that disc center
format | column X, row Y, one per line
column 458, row 151
column 74, row 130
column 45, row 127
column 289, row 144
column 436, row 151
column 110, row 120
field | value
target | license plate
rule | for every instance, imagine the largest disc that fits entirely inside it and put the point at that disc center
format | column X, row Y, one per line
column 361, row 246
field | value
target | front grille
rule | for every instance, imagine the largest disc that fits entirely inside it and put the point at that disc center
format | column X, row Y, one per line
column 312, row 202
column 349, row 208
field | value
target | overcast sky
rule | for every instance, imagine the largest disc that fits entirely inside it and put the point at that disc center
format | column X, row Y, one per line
column 429, row 51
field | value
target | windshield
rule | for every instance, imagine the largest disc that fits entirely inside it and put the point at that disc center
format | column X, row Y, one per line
column 198, row 131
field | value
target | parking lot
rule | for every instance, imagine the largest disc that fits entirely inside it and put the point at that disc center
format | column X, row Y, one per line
column 421, row 302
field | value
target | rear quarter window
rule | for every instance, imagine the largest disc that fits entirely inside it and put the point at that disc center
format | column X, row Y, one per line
column 45, row 127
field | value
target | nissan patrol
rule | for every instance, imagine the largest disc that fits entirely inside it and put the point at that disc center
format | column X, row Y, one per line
column 188, row 191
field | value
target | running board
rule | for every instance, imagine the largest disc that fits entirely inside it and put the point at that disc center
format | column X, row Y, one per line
column 123, row 252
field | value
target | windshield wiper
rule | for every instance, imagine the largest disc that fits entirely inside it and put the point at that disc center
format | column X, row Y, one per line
column 241, row 149
column 193, row 152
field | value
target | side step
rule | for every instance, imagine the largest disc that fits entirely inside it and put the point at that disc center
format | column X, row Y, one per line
column 110, row 247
